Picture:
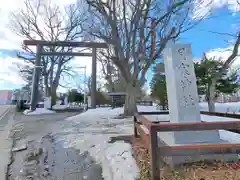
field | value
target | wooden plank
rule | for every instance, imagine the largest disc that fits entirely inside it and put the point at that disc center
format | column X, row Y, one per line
column 143, row 120
column 65, row 54
column 144, row 137
column 191, row 150
column 220, row 114
column 65, row 43
column 153, row 113
column 192, row 126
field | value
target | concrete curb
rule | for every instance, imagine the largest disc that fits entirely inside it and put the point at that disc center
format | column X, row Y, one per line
column 5, row 113
column 7, row 141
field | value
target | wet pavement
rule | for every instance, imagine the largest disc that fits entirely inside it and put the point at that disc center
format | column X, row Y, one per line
column 69, row 164
column 45, row 158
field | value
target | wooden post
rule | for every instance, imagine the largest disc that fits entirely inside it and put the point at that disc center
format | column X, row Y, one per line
column 155, row 173
column 134, row 126
column 35, row 79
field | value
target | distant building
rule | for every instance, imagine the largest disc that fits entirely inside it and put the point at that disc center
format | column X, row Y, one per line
column 6, row 96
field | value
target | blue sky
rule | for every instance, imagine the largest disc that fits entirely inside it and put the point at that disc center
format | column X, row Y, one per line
column 202, row 40
column 203, row 37
column 199, row 37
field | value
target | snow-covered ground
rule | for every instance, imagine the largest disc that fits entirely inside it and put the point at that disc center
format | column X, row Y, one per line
column 224, row 107
column 233, row 107
column 60, row 107
column 38, row 111
column 91, row 131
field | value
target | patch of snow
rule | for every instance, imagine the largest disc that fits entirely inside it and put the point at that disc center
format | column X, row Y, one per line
column 119, row 158
column 233, row 107
column 220, row 107
column 38, row 111
column 27, row 111
column 224, row 135
column 59, row 107
column 91, row 131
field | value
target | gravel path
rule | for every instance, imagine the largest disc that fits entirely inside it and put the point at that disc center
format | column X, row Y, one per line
column 45, row 158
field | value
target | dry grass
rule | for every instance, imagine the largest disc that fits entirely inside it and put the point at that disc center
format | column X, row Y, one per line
column 196, row 171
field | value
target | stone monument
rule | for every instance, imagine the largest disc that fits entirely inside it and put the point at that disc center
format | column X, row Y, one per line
column 182, row 93
column 183, row 100
column 89, row 101
column 66, row 100
column 47, row 102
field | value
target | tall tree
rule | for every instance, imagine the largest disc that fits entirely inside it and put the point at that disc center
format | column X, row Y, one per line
column 226, row 83
column 138, row 31
column 158, row 88
column 226, row 65
column 42, row 20
column 75, row 96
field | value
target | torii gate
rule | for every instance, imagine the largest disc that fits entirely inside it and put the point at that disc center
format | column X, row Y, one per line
column 39, row 53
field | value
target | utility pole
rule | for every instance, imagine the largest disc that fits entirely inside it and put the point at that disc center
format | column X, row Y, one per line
column 85, row 92
column 94, row 78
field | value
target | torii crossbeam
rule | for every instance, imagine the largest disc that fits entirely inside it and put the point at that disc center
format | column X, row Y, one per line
column 39, row 53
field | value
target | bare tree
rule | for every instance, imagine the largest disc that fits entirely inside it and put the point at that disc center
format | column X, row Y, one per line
column 41, row 20
column 227, row 63
column 138, row 31
column 109, row 71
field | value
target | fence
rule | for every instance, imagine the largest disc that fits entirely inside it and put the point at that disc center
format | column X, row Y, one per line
column 147, row 130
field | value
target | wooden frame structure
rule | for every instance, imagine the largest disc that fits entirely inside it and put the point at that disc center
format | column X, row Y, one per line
column 147, row 130
column 39, row 53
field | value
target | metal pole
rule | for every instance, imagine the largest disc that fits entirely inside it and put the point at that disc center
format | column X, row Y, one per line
column 94, row 78
column 35, row 79
column 85, row 81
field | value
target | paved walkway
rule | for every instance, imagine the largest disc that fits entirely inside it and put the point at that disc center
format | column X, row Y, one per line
column 55, row 161
column 6, row 122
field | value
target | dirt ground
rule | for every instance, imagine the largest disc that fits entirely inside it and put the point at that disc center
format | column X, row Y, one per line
column 38, row 156
column 197, row 171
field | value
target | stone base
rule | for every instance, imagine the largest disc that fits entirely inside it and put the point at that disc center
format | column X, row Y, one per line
column 167, row 139
column 179, row 160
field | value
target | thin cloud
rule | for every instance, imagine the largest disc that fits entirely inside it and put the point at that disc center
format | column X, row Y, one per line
column 204, row 8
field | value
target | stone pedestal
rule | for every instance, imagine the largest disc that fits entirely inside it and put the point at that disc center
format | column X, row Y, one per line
column 184, row 105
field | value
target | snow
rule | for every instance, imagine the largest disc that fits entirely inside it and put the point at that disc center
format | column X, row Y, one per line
column 120, row 160
column 91, row 131
column 38, row 111
column 224, row 135
column 59, row 107
column 233, row 107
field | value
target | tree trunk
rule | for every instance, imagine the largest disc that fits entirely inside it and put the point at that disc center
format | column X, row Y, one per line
column 130, row 107
column 53, row 95
column 211, row 95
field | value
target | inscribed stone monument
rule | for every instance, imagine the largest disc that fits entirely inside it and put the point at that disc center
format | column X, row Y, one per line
column 47, row 102
column 182, row 93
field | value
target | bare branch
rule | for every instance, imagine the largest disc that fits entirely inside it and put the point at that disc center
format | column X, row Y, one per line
column 46, row 21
